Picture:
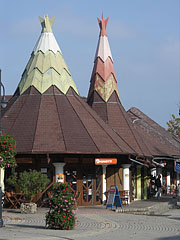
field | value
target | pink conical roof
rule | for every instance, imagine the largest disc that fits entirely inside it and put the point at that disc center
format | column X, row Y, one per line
column 103, row 79
column 104, row 98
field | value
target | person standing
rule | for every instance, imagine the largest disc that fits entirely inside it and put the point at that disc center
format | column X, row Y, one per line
column 158, row 185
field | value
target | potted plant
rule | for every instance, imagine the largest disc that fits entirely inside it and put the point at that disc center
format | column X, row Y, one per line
column 29, row 183
column 62, row 206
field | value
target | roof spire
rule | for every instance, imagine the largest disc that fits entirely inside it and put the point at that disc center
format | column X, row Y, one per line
column 46, row 23
column 102, row 25
column 46, row 66
column 103, row 78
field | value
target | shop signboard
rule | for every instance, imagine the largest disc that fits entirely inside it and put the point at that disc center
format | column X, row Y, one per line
column 105, row 161
column 178, row 167
column 60, row 177
column 114, row 198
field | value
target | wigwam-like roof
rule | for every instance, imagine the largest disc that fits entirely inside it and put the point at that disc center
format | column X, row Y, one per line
column 46, row 66
column 46, row 113
column 104, row 98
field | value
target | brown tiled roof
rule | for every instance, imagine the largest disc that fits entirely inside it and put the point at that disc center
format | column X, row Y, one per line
column 113, row 113
column 54, row 122
column 159, row 140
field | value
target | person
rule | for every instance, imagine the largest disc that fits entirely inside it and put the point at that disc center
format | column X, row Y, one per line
column 173, row 188
column 158, row 185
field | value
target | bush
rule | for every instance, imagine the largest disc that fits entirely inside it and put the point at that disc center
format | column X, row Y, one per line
column 62, row 205
column 29, row 183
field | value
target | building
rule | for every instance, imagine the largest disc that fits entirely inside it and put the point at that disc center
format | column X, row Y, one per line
column 104, row 98
column 61, row 135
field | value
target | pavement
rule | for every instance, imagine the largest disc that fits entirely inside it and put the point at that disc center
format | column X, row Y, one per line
column 147, row 219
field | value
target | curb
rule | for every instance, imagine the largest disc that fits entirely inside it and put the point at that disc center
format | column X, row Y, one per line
column 152, row 210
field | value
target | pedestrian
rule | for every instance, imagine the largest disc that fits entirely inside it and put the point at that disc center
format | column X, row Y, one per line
column 158, row 185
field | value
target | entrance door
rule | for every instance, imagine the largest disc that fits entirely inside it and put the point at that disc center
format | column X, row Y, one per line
column 87, row 185
column 87, row 181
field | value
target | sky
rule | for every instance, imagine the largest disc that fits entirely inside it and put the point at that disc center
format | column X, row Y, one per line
column 144, row 38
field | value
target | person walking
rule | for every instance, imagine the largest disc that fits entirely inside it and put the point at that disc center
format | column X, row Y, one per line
column 158, row 185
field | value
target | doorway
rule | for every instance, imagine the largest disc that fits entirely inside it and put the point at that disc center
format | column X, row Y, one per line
column 87, row 181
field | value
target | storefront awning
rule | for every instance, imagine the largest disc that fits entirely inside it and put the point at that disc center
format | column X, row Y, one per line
column 158, row 164
column 137, row 162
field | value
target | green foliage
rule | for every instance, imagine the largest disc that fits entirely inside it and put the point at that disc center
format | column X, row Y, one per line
column 62, row 205
column 7, row 151
column 12, row 180
column 174, row 126
column 30, row 183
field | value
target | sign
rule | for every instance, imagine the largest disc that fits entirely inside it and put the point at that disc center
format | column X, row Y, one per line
column 106, row 161
column 114, row 198
column 177, row 167
column 43, row 170
column 60, row 177
column 113, row 188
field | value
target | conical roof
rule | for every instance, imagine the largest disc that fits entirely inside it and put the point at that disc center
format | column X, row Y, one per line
column 104, row 98
column 46, row 66
column 46, row 117
column 103, row 79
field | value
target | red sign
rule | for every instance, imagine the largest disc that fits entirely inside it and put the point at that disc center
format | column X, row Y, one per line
column 113, row 188
column 106, row 161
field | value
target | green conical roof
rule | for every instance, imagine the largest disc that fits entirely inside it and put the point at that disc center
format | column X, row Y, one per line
column 46, row 66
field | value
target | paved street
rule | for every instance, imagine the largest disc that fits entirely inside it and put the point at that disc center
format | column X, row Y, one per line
column 94, row 223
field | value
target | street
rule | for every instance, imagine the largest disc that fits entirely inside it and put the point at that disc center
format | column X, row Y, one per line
column 95, row 224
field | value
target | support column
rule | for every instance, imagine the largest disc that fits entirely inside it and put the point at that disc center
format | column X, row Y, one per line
column 168, row 182
column 159, row 172
column 59, row 172
column 126, row 185
column 145, row 184
column 2, row 171
column 104, row 183
column 138, row 182
column 153, row 172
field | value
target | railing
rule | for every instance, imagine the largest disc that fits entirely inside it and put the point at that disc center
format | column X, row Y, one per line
column 39, row 196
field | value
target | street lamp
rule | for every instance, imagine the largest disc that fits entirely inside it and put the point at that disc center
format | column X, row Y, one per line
column 3, row 100
column 3, row 104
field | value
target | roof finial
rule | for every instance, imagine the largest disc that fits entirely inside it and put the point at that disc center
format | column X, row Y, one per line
column 103, row 24
column 46, row 23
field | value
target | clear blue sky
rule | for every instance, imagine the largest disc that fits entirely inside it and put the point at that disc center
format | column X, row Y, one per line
column 144, row 37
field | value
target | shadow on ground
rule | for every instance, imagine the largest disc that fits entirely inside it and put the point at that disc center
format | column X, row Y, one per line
column 177, row 237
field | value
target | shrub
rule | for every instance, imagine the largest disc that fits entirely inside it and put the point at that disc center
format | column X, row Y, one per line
column 62, row 205
column 29, row 182
column 7, row 151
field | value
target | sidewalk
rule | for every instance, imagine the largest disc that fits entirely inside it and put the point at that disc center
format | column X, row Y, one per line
column 151, row 206
column 95, row 222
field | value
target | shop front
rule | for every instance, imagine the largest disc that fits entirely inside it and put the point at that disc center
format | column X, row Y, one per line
column 86, row 181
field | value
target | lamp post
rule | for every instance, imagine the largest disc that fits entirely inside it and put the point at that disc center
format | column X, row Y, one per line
column 3, row 103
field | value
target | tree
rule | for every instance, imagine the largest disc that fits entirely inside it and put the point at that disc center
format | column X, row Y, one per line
column 174, row 126
column 29, row 182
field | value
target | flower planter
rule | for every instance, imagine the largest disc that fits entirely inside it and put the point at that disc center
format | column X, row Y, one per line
column 28, row 208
